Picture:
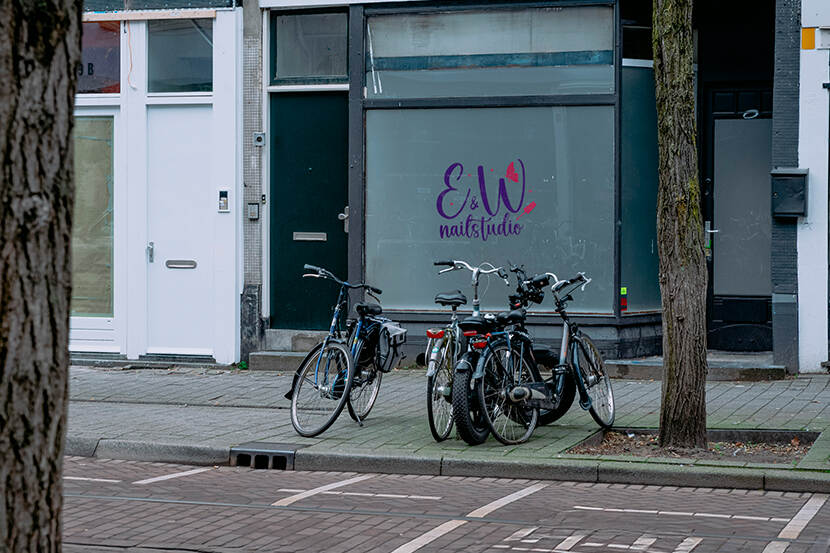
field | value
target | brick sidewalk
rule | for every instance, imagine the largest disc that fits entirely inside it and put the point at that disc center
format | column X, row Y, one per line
column 226, row 408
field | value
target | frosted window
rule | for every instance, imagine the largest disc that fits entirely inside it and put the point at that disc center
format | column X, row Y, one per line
column 494, row 52
column 180, row 55
column 548, row 203
column 92, row 226
column 640, row 263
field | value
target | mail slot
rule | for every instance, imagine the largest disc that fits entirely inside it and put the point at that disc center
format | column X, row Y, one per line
column 310, row 236
column 180, row 264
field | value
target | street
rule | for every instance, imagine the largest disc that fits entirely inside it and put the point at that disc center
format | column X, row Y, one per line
column 125, row 506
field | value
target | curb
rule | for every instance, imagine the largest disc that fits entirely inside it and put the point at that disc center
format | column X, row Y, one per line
column 588, row 470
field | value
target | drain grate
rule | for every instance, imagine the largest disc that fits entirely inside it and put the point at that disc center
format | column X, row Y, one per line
column 264, row 455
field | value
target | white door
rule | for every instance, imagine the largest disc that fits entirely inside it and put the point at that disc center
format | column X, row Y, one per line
column 180, row 229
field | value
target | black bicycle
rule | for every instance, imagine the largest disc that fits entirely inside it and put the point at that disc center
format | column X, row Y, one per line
column 339, row 372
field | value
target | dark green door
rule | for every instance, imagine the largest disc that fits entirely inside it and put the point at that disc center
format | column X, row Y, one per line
column 309, row 171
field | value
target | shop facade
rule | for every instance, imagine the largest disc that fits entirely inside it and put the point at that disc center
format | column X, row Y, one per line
column 157, row 224
column 398, row 133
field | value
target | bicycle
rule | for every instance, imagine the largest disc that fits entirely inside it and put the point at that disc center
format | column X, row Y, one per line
column 509, row 391
column 324, row 382
column 466, row 415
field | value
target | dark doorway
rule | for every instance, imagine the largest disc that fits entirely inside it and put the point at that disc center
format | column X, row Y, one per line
column 309, row 171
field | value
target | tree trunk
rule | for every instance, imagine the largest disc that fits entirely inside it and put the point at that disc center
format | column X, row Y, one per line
column 40, row 47
column 683, row 274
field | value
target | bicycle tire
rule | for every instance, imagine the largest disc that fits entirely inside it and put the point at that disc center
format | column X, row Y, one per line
column 365, row 385
column 439, row 392
column 548, row 416
column 335, row 360
column 596, row 381
column 467, row 414
column 510, row 422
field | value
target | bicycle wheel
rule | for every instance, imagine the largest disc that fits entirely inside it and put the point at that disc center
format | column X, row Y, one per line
column 365, row 384
column 595, row 380
column 510, row 421
column 439, row 390
column 467, row 414
column 321, row 389
column 547, row 416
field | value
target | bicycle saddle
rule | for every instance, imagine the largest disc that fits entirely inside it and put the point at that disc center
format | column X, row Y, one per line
column 454, row 299
column 481, row 324
column 511, row 317
column 364, row 309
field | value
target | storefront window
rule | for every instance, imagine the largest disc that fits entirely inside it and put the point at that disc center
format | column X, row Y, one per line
column 532, row 186
column 180, row 55
column 118, row 5
column 99, row 70
column 638, row 166
column 92, row 241
column 310, row 45
column 536, row 51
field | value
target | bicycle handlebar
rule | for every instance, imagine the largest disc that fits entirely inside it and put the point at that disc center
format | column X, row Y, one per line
column 323, row 273
column 455, row 265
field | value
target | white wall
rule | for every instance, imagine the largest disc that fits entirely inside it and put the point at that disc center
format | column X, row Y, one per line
column 812, row 229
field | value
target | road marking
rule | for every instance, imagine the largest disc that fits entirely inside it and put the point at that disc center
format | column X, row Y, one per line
column 89, row 479
column 803, row 517
column 171, row 476
column 680, row 513
column 687, row 545
column 451, row 525
column 776, row 547
column 365, row 494
column 643, row 542
column 308, row 493
column 569, row 542
column 519, row 534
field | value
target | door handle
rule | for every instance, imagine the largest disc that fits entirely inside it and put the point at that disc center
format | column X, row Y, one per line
column 345, row 218
column 150, row 247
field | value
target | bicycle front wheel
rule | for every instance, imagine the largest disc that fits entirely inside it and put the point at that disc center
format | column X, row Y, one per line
column 512, row 421
column 596, row 381
column 439, row 391
column 321, row 389
column 365, row 385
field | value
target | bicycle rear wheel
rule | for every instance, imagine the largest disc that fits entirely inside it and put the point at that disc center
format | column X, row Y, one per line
column 511, row 421
column 466, row 411
column 322, row 388
column 596, row 381
column 439, row 390
column 365, row 385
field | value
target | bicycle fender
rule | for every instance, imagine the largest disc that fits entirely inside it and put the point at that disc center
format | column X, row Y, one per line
column 466, row 363
column 479, row 372
column 434, row 357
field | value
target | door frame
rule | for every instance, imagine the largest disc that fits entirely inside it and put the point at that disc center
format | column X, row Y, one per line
column 709, row 115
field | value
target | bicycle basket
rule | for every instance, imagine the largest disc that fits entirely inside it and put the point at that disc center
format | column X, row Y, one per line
column 390, row 346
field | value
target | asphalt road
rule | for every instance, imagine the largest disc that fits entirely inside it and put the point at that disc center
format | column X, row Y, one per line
column 122, row 506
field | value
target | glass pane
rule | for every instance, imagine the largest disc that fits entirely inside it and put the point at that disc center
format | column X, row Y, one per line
column 118, row 5
column 92, row 227
column 638, row 148
column 180, row 55
column 524, row 185
column 494, row 52
column 311, row 45
column 100, row 58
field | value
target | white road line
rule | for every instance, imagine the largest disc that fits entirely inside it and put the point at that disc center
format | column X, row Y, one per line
column 745, row 517
column 803, row 517
column 365, row 494
column 482, row 512
column 171, row 476
column 451, row 525
column 643, row 542
column 569, row 542
column 779, row 520
column 89, row 479
column 776, row 547
column 687, row 545
column 308, row 493
column 679, row 513
column 430, row 536
column 676, row 513
column 519, row 534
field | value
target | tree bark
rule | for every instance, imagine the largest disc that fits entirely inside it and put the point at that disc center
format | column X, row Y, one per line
column 40, row 46
column 683, row 274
